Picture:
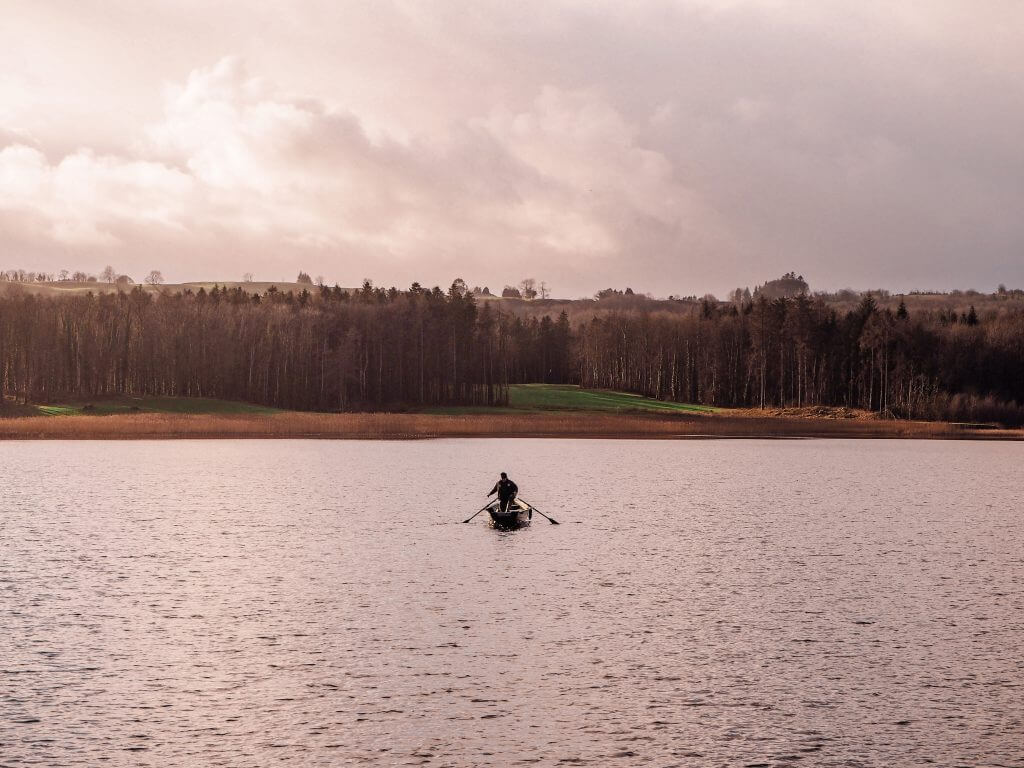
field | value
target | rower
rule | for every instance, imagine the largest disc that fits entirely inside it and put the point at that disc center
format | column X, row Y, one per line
column 506, row 491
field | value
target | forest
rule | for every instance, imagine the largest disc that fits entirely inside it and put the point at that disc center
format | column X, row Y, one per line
column 330, row 349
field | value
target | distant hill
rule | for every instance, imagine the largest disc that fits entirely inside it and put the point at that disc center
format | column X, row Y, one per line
column 788, row 286
column 610, row 302
column 71, row 288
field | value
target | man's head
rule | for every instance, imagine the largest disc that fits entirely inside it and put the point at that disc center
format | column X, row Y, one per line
column 504, row 476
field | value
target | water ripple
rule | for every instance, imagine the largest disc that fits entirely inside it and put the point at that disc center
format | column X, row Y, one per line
column 235, row 603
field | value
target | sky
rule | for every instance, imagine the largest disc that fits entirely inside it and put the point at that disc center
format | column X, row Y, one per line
column 675, row 146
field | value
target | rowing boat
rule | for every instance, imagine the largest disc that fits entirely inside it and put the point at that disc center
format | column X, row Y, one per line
column 519, row 514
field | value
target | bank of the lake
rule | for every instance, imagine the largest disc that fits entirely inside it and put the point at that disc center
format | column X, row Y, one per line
column 411, row 426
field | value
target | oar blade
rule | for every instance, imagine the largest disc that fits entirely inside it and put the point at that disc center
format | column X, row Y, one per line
column 477, row 512
column 549, row 519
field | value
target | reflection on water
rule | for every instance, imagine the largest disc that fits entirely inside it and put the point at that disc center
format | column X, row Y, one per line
column 703, row 603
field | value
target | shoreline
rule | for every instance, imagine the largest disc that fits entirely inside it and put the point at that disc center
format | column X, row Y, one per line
column 420, row 426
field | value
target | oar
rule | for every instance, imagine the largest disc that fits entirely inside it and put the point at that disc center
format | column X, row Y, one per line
column 478, row 512
column 549, row 519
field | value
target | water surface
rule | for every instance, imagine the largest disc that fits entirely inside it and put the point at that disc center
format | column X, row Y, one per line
column 704, row 603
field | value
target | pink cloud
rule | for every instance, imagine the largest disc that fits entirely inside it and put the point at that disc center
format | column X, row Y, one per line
column 235, row 157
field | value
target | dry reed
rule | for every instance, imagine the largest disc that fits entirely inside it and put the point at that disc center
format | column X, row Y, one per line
column 406, row 426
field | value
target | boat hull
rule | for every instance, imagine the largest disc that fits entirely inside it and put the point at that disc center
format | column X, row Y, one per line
column 519, row 514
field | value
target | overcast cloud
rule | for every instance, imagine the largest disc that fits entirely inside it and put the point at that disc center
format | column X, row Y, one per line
column 676, row 147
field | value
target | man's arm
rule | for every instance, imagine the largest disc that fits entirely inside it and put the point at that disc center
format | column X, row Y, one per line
column 494, row 490
column 515, row 488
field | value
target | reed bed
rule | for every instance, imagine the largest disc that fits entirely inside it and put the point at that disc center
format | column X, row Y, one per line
column 410, row 426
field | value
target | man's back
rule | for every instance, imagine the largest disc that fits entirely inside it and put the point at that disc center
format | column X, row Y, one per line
column 505, row 488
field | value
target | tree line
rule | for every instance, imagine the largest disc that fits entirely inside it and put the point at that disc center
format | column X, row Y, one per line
column 371, row 348
column 329, row 350
column 797, row 352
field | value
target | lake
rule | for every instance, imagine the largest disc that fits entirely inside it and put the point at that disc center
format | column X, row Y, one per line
column 704, row 602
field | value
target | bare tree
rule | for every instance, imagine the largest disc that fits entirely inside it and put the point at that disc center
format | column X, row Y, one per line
column 528, row 287
column 248, row 277
column 108, row 274
column 374, row 348
column 154, row 277
column 544, row 290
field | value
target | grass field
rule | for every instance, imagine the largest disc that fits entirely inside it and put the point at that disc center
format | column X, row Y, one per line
column 127, row 405
column 539, row 398
column 557, row 397
column 534, row 410
column 530, row 398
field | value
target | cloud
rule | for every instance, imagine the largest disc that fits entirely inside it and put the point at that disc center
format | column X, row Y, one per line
column 76, row 200
column 673, row 145
column 234, row 159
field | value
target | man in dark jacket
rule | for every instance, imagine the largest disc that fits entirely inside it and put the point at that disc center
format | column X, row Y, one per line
column 506, row 491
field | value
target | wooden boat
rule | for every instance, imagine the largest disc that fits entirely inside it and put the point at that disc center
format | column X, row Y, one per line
column 519, row 514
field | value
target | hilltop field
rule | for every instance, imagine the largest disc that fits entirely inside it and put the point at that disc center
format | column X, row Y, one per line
column 73, row 288
column 534, row 410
